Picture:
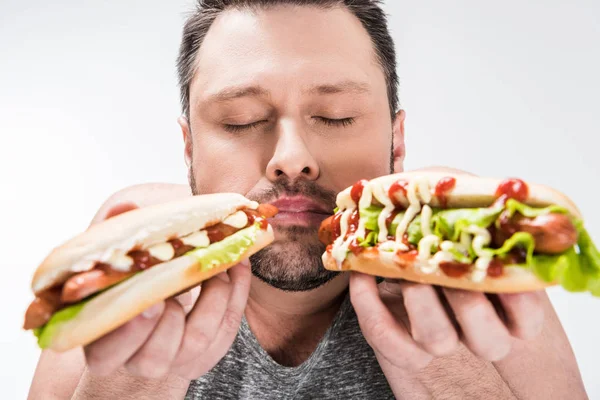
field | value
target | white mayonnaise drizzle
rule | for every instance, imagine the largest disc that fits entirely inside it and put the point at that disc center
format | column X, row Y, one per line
column 238, row 220
column 162, row 251
column 416, row 187
column 481, row 239
column 120, row 262
column 197, row 239
column 380, row 194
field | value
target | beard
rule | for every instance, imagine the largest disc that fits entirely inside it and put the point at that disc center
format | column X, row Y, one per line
column 293, row 261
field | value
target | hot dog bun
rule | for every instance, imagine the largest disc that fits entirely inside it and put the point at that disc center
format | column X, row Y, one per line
column 514, row 280
column 141, row 227
column 474, row 191
column 126, row 300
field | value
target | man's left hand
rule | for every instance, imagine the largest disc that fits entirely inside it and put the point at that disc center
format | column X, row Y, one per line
column 408, row 324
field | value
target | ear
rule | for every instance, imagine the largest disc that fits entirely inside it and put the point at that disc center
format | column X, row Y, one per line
column 399, row 150
column 187, row 139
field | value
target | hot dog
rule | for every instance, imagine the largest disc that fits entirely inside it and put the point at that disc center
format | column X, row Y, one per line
column 123, row 265
column 461, row 231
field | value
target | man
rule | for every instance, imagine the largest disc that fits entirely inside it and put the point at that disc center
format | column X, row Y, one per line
column 290, row 102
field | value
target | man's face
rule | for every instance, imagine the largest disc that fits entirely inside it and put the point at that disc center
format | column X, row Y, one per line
column 288, row 106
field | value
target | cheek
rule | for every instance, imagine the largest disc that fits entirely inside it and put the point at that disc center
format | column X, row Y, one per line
column 224, row 165
column 361, row 157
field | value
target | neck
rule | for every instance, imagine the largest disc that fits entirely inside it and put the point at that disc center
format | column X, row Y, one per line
column 289, row 325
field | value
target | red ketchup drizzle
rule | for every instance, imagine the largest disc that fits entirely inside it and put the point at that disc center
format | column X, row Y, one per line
column 353, row 221
column 357, row 190
column 388, row 221
column 410, row 255
column 262, row 223
column 495, row 269
column 455, row 269
column 336, row 226
column 142, row 259
column 179, row 247
column 355, row 248
column 442, row 188
column 513, row 189
column 398, row 187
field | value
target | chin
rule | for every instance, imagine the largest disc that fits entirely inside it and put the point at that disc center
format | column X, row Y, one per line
column 292, row 264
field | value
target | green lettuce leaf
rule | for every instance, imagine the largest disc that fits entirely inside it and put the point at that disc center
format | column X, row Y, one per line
column 520, row 239
column 370, row 215
column 512, row 206
column 226, row 251
column 369, row 241
column 460, row 257
column 413, row 231
column 448, row 224
column 396, row 222
column 589, row 257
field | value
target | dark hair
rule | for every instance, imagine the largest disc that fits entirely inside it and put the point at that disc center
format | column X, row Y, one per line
column 369, row 12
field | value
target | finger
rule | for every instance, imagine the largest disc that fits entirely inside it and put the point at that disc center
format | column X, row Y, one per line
column 205, row 318
column 120, row 209
column 188, row 299
column 155, row 356
column 111, row 351
column 430, row 326
column 240, row 276
column 485, row 335
column 524, row 313
column 193, row 366
column 387, row 337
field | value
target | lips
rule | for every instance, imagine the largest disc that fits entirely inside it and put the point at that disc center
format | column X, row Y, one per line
column 299, row 210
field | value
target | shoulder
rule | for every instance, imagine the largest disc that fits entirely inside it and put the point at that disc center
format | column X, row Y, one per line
column 138, row 196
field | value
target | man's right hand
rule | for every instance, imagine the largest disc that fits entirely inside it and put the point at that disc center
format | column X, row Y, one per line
column 164, row 340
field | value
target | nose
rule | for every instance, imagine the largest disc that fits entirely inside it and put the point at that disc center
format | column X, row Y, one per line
column 292, row 157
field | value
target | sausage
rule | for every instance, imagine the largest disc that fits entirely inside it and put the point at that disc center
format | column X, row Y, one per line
column 553, row 233
column 326, row 230
column 267, row 210
column 87, row 283
column 41, row 309
column 38, row 313
column 218, row 232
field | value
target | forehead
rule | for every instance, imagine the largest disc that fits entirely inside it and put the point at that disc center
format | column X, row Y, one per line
column 285, row 47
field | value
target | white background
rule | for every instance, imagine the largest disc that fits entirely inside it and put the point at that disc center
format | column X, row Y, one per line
column 88, row 105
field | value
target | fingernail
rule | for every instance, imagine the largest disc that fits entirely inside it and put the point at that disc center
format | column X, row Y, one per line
column 153, row 311
column 185, row 299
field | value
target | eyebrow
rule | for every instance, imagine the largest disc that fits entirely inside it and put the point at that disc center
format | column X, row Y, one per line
column 236, row 92
column 341, row 87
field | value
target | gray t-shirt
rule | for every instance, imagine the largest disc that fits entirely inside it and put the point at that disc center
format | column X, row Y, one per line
column 343, row 366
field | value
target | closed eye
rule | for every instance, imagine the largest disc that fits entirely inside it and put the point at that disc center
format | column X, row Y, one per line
column 240, row 128
column 342, row 122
